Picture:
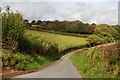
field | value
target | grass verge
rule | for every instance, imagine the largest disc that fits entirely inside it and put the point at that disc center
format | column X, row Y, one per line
column 99, row 62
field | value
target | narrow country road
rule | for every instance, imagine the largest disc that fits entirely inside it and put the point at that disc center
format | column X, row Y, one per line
column 62, row 68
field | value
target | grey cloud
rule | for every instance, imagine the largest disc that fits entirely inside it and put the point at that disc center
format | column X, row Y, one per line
column 113, row 0
column 32, row 10
column 88, row 13
column 81, row 11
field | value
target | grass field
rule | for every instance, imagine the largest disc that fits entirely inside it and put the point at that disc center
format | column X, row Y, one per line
column 34, row 27
column 64, row 42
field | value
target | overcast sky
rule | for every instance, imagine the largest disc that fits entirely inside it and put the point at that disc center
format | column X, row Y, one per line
column 88, row 11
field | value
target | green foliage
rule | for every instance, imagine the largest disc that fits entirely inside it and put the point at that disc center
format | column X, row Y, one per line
column 7, row 54
column 94, row 39
column 12, row 28
column 117, row 27
column 103, row 34
column 34, row 43
column 106, row 31
column 23, row 61
column 81, row 27
column 19, row 57
column 77, row 26
column 99, row 62
column 6, row 58
column 90, row 28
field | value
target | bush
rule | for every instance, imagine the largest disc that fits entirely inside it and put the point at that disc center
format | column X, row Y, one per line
column 7, row 54
column 19, row 57
column 39, row 59
column 52, row 52
column 90, row 28
column 6, row 58
column 36, row 44
column 23, row 61
column 106, row 31
column 103, row 34
column 95, row 40
column 12, row 28
column 53, row 49
column 30, row 44
column 117, row 27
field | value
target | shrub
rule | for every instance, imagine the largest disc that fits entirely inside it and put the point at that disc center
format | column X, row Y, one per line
column 106, row 31
column 12, row 28
column 117, row 27
column 30, row 44
column 90, row 28
column 19, row 57
column 53, row 49
column 6, row 58
column 33, row 43
column 7, row 54
column 103, row 34
column 94, row 39
column 23, row 61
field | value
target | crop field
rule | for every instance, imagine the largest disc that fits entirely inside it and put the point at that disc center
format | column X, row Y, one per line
column 64, row 42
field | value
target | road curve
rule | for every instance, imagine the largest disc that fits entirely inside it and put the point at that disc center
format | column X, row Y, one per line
column 62, row 68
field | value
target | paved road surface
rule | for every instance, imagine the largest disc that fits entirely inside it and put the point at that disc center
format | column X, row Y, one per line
column 62, row 68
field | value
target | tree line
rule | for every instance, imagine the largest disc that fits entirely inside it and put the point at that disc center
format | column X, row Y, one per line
column 100, row 34
column 65, row 26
